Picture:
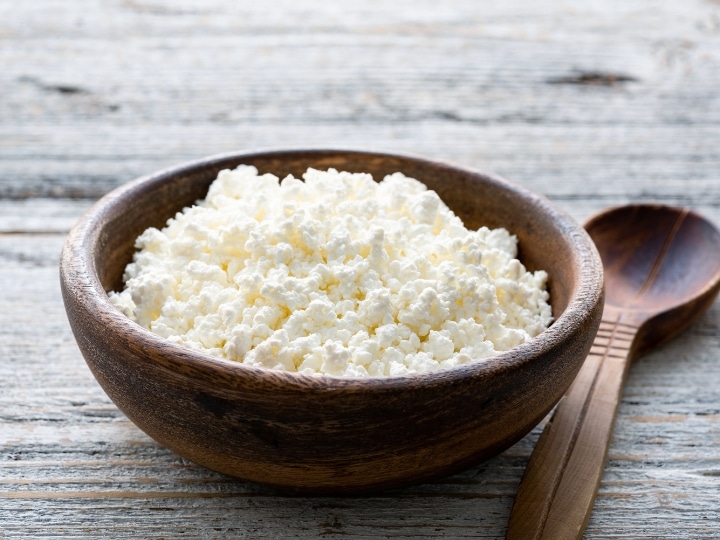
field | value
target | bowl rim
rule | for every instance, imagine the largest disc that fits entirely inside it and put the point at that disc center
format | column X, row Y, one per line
column 79, row 278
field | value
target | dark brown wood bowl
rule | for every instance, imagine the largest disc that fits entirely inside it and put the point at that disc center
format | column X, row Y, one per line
column 325, row 435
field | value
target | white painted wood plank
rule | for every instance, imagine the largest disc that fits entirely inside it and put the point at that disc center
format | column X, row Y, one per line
column 670, row 163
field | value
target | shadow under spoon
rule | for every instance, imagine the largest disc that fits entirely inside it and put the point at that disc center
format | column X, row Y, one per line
column 662, row 271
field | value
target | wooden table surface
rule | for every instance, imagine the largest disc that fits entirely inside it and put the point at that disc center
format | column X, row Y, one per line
column 592, row 104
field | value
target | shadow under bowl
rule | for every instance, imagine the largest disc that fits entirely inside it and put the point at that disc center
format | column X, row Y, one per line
column 319, row 434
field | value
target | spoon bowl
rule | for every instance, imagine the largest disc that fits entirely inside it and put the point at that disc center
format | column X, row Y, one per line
column 662, row 267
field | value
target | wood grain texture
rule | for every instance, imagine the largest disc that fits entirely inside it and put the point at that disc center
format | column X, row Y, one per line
column 477, row 85
column 102, row 92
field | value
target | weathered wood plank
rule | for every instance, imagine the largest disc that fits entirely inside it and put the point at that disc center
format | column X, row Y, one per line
column 613, row 163
column 330, row 78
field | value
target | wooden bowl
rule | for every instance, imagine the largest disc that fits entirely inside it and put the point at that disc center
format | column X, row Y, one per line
column 321, row 434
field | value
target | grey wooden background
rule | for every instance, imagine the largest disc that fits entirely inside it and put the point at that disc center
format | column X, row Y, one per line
column 591, row 103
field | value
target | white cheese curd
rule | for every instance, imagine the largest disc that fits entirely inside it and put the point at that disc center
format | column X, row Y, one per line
column 336, row 275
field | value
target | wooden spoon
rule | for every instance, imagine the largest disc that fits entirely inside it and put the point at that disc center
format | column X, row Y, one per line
column 662, row 271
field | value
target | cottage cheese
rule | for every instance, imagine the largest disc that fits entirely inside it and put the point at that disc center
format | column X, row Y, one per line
column 335, row 275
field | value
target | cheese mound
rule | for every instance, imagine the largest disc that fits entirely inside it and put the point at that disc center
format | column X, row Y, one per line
column 336, row 275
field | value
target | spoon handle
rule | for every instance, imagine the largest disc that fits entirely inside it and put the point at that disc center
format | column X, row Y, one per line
column 557, row 492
